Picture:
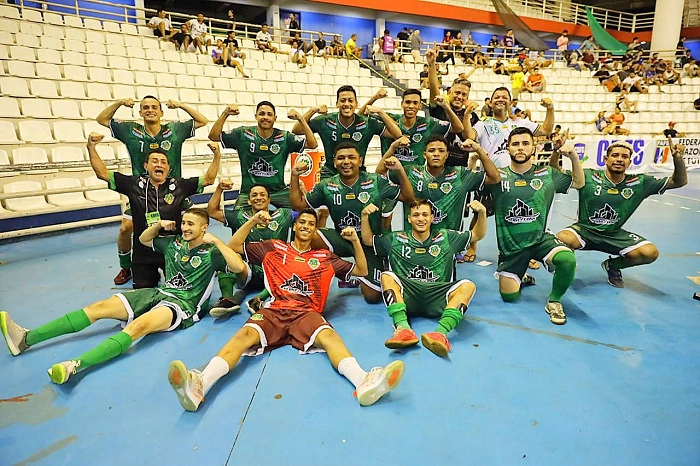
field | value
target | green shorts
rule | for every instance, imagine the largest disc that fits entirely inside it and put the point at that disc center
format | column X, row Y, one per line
column 186, row 204
column 139, row 302
column 425, row 299
column 278, row 199
column 618, row 243
column 515, row 265
column 343, row 248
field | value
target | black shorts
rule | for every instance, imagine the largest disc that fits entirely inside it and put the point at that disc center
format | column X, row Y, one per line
column 156, row 32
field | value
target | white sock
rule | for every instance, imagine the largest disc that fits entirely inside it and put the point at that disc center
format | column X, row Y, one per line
column 351, row 370
column 217, row 368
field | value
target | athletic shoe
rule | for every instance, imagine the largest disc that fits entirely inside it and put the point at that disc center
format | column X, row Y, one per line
column 437, row 343
column 556, row 312
column 527, row 280
column 254, row 305
column 122, row 277
column 188, row 385
column 378, row 382
column 15, row 336
column 402, row 338
column 61, row 372
column 224, row 307
column 352, row 283
column 614, row 275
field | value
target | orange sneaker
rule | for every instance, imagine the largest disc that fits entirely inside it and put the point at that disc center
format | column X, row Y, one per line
column 437, row 343
column 402, row 338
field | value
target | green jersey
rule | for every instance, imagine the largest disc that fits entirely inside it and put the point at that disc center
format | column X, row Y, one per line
column 419, row 133
column 332, row 133
column 189, row 273
column 447, row 193
column 604, row 206
column 262, row 159
column 432, row 260
column 139, row 143
column 522, row 205
column 345, row 203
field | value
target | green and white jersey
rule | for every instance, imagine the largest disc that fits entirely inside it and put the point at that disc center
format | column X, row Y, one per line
column 262, row 159
column 605, row 206
column 432, row 260
column 189, row 273
column 492, row 135
column 522, row 205
column 345, row 203
column 139, row 143
column 419, row 133
column 447, row 193
column 332, row 132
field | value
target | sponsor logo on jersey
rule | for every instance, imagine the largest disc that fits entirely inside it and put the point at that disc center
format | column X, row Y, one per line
column 405, row 154
column 421, row 127
column 520, row 183
column 633, row 181
column 356, row 136
column 612, row 191
column 249, row 134
column 627, row 193
column 434, row 250
column 432, row 185
column 262, row 147
column 332, row 187
column 446, row 187
column 331, row 124
column 422, row 274
column 166, row 145
column 314, row 263
column 351, row 219
column 438, row 216
column 296, row 285
column 451, row 176
column 361, row 125
column 417, row 137
column 257, row 317
column 606, row 215
column 169, row 198
column 350, row 196
column 167, row 133
column 275, row 149
column 279, row 137
column 419, row 250
column 542, row 171
column 521, row 213
column 137, row 132
column 262, row 168
column 596, row 177
column 345, row 135
column 153, row 145
column 299, row 259
column 536, row 184
column 363, row 197
column 196, row 261
column 178, row 281
column 171, row 186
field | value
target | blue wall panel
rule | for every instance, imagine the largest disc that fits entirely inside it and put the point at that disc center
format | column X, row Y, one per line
column 345, row 25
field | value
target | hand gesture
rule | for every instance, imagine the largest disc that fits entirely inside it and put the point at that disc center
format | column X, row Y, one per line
column 471, row 106
column 568, row 150
column 299, row 167
column 441, row 101
column 560, row 139
column 225, row 185
column 477, row 207
column 208, row 238
column 94, row 139
column 430, row 56
column 262, row 217
column 172, row 104
column 323, row 109
column 392, row 163
column 350, row 234
column 232, row 109
column 369, row 210
column 127, row 102
column 214, row 147
column 371, row 110
column 403, row 141
column 380, row 94
column 168, row 225
column 547, row 103
column 293, row 115
column 469, row 146
column 676, row 149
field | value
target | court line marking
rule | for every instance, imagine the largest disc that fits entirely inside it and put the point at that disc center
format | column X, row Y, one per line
column 682, row 197
column 45, row 452
column 550, row 333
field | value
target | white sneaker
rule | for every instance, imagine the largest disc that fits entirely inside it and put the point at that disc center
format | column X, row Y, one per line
column 556, row 312
column 61, row 372
column 15, row 336
column 378, row 382
column 188, row 385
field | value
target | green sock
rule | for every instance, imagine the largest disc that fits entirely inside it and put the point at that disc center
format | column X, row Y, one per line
column 397, row 312
column 70, row 323
column 619, row 263
column 263, row 295
column 125, row 259
column 564, row 270
column 108, row 349
column 226, row 282
column 510, row 297
column 449, row 320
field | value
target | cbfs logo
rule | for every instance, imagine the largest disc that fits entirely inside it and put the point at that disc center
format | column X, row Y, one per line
column 580, row 149
column 637, row 151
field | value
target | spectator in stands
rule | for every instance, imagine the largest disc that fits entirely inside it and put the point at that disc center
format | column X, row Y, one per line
column 686, row 58
column 199, row 32
column 416, row 42
column 634, row 45
column 292, row 24
column 387, row 47
column 634, row 83
column 535, row 81
column 671, row 131
column 263, row 40
column 161, row 26
column 486, row 110
column 320, row 49
column 604, row 124
column 403, row 46
column 517, row 80
column 470, row 44
column 573, row 60
column 139, row 139
column 232, row 48
column 297, row 55
column 613, row 83
column 692, row 69
column 302, row 44
column 499, row 67
column 446, row 50
column 653, row 76
column 589, row 61
column 680, row 47
column 493, row 44
column 230, row 16
column 623, row 100
column 670, row 75
column 588, row 44
column 563, row 41
column 221, row 56
column 618, row 118
column 351, row 48
column 337, row 49
column 182, row 38
column 508, row 43
column 424, row 77
column 480, row 58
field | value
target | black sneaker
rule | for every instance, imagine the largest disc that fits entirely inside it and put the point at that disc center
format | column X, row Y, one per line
column 224, row 307
column 527, row 280
column 254, row 305
column 614, row 275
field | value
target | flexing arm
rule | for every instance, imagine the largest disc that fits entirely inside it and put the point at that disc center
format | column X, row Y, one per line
column 151, row 233
column 432, row 75
column 403, row 141
column 547, row 126
column 380, row 94
column 365, row 228
column 680, row 175
column 108, row 113
column 213, row 170
column 579, row 180
column 98, row 166
column 360, row 269
column 457, row 126
column 218, row 127
column 392, row 128
column 296, row 196
column 406, row 194
column 311, row 141
column 261, row 217
column 298, row 128
column 493, row 176
column 214, row 205
column 199, row 119
column 233, row 261
column 479, row 230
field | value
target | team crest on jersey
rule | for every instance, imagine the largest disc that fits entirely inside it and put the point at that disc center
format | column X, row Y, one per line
column 171, row 186
column 356, row 136
column 417, row 137
column 363, row 197
column 262, row 168
column 627, row 193
column 606, row 215
column 196, row 261
column 521, row 213
column 438, row 216
column 446, row 187
column 275, row 149
column 297, row 286
column 166, row 145
column 141, row 183
column 169, row 198
column 536, row 184
column 314, row 263
column 273, row 225
column 178, row 281
column 350, row 220
column 423, row 274
column 434, row 250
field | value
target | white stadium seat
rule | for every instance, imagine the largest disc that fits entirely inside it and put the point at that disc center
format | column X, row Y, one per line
column 65, row 199
column 35, row 131
column 25, row 204
column 100, row 195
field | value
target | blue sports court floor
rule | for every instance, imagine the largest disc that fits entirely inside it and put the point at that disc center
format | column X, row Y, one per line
column 618, row 384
